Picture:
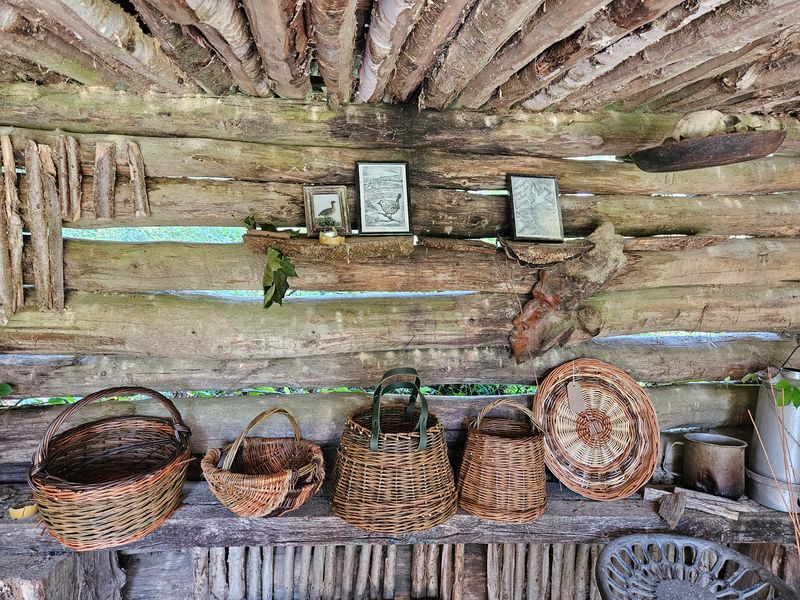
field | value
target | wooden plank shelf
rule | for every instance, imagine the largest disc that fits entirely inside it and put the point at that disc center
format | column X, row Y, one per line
column 202, row 521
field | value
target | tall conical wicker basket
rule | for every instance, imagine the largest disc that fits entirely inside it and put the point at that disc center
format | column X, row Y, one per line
column 392, row 474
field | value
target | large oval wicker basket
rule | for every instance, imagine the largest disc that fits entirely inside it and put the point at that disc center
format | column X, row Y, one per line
column 110, row 482
column 392, row 474
column 265, row 477
column 610, row 448
column 502, row 475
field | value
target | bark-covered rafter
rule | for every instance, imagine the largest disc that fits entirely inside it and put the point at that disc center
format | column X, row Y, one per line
column 725, row 30
column 490, row 24
column 180, row 43
column 618, row 19
column 437, row 24
column 279, row 33
column 392, row 21
column 334, row 27
column 600, row 63
column 538, row 34
column 108, row 32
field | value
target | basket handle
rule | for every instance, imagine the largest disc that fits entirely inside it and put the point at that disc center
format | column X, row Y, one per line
column 181, row 430
column 385, row 388
column 510, row 403
column 234, row 448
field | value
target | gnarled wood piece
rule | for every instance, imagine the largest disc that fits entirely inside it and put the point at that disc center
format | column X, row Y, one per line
column 556, row 316
column 334, row 27
column 542, row 255
column 470, row 246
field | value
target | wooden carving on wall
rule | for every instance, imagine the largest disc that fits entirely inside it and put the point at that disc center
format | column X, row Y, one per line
column 557, row 316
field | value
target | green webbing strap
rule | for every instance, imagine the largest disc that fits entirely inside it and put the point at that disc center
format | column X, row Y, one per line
column 384, row 388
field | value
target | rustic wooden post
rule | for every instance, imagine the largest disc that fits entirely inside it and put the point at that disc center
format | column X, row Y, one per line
column 37, row 224
column 458, row 572
column 141, row 205
column 329, row 578
column 305, row 568
column 105, row 177
column 200, row 564
column 55, row 242
column 74, row 178
column 267, row 573
column 236, row 573
column 348, row 569
column 389, row 572
column 418, row 571
column 375, row 572
column 362, row 574
column 317, row 571
column 253, row 573
column 432, row 570
column 217, row 573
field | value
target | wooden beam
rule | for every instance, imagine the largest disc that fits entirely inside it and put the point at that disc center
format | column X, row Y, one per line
column 591, row 68
column 540, row 32
column 292, row 123
column 36, row 210
column 106, row 28
column 199, row 157
column 60, row 575
column 202, row 521
column 722, row 31
column 490, row 24
column 280, row 36
column 13, row 211
column 15, row 69
column 656, row 359
column 198, row 61
column 436, row 26
column 390, row 24
column 334, row 29
column 618, row 19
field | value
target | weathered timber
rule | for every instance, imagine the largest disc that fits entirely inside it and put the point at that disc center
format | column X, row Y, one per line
column 601, row 63
column 618, row 19
column 355, row 249
column 224, row 25
column 716, row 33
column 540, row 32
column 141, row 205
column 110, row 31
column 74, row 182
column 391, row 22
column 62, row 173
column 322, row 416
column 195, row 157
column 437, row 24
column 8, row 294
column 28, row 39
column 334, row 30
column 15, row 69
column 293, row 123
column 487, row 27
column 55, row 243
column 11, row 207
column 657, row 359
column 279, row 34
column 105, row 175
column 197, row 61
column 37, row 207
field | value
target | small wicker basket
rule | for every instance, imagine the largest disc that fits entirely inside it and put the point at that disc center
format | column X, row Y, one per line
column 270, row 476
column 110, row 482
column 392, row 473
column 502, row 475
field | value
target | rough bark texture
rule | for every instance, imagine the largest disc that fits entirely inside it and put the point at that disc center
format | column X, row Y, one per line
column 436, row 26
column 141, row 204
column 105, row 175
column 279, row 33
column 391, row 22
column 11, row 207
column 618, row 19
column 55, row 243
column 334, row 30
column 181, row 45
column 490, row 24
column 37, row 208
column 74, row 180
column 539, row 33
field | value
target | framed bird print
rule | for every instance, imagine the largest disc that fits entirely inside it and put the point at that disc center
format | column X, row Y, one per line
column 384, row 205
column 535, row 208
column 326, row 209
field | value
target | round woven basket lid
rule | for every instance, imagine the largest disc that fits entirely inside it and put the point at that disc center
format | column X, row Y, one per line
column 609, row 448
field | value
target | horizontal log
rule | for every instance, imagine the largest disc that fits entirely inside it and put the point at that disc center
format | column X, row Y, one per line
column 655, row 359
column 202, row 157
column 286, row 122
column 121, row 267
column 450, row 212
column 321, row 417
column 190, row 327
column 201, row 522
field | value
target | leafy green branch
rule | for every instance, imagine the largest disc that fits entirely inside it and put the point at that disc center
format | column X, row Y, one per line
column 276, row 274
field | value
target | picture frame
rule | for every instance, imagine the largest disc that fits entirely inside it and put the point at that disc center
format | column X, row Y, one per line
column 384, row 205
column 326, row 207
column 535, row 208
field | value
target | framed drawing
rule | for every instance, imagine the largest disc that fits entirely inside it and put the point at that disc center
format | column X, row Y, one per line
column 326, row 209
column 535, row 208
column 384, row 205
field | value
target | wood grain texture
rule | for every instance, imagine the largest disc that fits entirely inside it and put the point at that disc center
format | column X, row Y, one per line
column 334, row 30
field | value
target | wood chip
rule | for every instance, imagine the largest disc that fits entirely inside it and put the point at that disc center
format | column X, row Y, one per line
column 671, row 508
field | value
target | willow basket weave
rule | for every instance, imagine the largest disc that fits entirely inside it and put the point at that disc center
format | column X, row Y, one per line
column 392, row 473
column 265, row 477
column 502, row 476
column 110, row 482
column 610, row 448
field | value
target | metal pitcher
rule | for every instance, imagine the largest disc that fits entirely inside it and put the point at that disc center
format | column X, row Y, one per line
column 712, row 463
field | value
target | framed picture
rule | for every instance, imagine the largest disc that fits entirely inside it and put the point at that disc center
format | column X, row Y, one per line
column 384, row 205
column 535, row 208
column 326, row 208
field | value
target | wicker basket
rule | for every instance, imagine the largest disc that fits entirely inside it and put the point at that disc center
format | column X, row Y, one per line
column 392, row 474
column 270, row 476
column 110, row 482
column 610, row 448
column 502, row 476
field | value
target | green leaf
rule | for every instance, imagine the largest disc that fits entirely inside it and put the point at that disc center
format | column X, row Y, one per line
column 276, row 274
column 750, row 377
column 5, row 390
column 288, row 267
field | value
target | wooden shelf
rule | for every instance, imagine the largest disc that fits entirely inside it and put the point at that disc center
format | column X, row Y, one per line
column 202, row 521
column 356, row 248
